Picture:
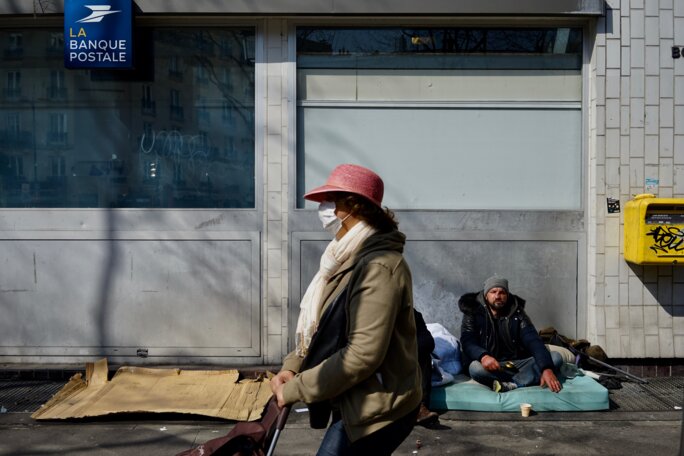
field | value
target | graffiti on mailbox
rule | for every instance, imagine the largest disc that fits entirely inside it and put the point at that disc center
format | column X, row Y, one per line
column 667, row 239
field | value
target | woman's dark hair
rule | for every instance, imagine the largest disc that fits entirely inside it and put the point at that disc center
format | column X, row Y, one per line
column 381, row 219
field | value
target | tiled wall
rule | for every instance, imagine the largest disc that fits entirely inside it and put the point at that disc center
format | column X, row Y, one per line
column 274, row 243
column 636, row 129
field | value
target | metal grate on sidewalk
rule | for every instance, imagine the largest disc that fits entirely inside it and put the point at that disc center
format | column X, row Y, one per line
column 26, row 396
column 659, row 394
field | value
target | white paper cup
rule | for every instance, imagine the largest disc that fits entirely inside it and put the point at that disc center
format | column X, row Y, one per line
column 525, row 409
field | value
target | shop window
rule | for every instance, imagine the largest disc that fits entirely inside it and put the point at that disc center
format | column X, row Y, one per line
column 102, row 149
column 473, row 118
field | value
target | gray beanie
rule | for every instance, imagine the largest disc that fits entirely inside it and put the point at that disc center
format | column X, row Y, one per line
column 494, row 282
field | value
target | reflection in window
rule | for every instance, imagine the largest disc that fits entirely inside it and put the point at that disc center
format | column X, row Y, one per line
column 465, row 47
column 127, row 139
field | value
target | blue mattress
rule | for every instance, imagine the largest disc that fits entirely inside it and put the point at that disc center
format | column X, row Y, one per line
column 578, row 394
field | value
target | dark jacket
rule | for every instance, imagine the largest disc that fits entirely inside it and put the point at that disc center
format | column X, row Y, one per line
column 478, row 335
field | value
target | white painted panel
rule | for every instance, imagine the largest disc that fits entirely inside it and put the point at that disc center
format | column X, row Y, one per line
column 449, row 158
column 439, row 85
column 177, row 298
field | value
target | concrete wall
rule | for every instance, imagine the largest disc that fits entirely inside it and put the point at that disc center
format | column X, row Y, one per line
column 637, row 134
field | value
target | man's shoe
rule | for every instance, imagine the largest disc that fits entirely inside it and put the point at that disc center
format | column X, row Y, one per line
column 502, row 387
column 426, row 416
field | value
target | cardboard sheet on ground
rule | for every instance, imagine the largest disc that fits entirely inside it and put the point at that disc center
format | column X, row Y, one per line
column 214, row 393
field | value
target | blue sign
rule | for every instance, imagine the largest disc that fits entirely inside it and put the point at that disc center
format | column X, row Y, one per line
column 98, row 34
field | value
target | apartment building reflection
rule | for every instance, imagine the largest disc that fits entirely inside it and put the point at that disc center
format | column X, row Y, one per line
column 177, row 131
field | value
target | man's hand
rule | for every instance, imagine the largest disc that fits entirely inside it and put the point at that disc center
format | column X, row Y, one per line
column 278, row 383
column 549, row 379
column 490, row 363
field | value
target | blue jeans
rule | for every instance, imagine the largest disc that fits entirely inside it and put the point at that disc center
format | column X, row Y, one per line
column 381, row 442
column 528, row 372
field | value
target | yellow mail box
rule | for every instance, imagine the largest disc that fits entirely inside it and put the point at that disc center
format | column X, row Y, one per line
column 654, row 230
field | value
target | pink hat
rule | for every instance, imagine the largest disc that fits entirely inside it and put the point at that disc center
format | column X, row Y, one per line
column 351, row 179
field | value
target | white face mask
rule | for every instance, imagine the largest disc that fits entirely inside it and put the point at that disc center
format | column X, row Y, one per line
column 330, row 222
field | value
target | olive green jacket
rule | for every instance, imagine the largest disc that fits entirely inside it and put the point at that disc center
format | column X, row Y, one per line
column 375, row 379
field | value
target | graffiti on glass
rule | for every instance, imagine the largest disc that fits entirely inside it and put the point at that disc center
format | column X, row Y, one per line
column 667, row 239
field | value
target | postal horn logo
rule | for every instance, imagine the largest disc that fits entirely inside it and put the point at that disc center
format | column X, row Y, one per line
column 97, row 13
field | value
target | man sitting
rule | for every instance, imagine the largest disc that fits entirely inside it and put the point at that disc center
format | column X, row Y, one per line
column 501, row 343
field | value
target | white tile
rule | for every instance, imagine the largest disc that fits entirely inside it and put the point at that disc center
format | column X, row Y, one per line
column 611, row 291
column 651, row 121
column 637, row 348
column 678, row 346
column 274, row 258
column 678, row 8
column 275, row 315
column 613, row 53
column 637, row 54
column 652, row 27
column 679, row 149
column 665, row 192
column 666, row 5
column 624, row 119
column 679, row 90
column 612, row 257
column 652, row 94
column 666, row 82
column 651, row 320
column 612, row 346
column 636, row 317
column 612, row 140
column 624, row 294
column 636, row 113
column 625, row 61
column 678, row 185
column 666, row 113
column 637, row 24
column 679, row 120
column 636, row 292
column 666, row 142
column 679, row 29
column 612, row 81
column 666, row 342
column 274, row 181
column 601, row 88
column 274, row 90
column 651, row 150
column 612, row 113
column 665, row 319
column 612, row 239
column 637, row 83
column 275, row 206
column 600, row 119
column 636, row 145
column 652, row 62
column 666, row 25
column 612, row 177
column 624, row 162
column 651, row 8
column 666, row 172
column 600, row 60
column 624, row 90
column 612, row 317
column 677, row 325
column 274, row 354
column 665, row 51
column 624, row 31
column 652, row 349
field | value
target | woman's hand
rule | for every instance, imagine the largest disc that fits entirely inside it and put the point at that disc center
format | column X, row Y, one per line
column 278, row 383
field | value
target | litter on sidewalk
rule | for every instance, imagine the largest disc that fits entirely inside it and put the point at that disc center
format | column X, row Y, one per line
column 213, row 393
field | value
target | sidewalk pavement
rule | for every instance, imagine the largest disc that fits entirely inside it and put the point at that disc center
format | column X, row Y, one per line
column 641, row 421
column 462, row 433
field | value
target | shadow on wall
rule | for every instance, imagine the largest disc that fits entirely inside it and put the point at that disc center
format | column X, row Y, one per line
column 662, row 284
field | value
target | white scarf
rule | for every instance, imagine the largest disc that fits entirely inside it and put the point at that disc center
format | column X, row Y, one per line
column 336, row 253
